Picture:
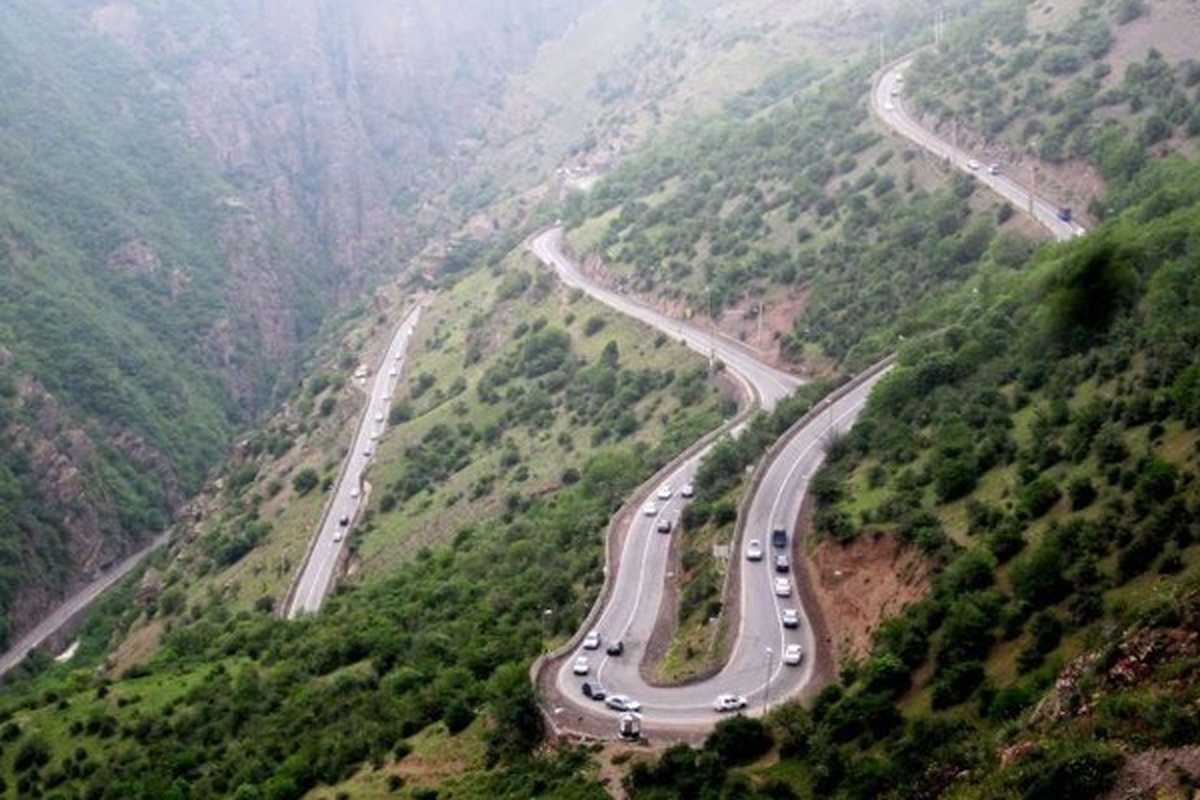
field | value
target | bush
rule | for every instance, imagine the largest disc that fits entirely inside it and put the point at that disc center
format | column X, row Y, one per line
column 32, row 753
column 1038, row 496
column 954, row 685
column 1082, row 493
column 1070, row 771
column 739, row 740
column 305, row 481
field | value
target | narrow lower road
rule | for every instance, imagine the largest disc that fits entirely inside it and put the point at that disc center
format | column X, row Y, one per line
column 73, row 606
column 325, row 550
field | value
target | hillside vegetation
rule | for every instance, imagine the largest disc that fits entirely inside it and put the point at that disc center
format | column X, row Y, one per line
column 483, row 546
column 112, row 290
column 1036, row 447
column 190, row 191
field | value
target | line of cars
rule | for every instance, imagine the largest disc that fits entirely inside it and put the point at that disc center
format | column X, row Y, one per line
column 593, row 689
column 793, row 652
column 666, row 492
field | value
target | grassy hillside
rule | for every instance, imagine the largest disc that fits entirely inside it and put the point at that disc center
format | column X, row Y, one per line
column 1082, row 92
column 1036, row 447
column 1042, row 454
column 501, row 483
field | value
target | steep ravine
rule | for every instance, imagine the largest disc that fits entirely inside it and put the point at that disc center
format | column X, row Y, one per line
column 220, row 178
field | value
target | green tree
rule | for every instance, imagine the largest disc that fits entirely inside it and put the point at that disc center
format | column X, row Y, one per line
column 305, row 481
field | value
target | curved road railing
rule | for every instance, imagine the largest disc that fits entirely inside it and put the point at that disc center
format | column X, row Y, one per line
column 684, row 712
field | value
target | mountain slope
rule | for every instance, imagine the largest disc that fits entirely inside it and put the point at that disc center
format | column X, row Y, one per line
column 189, row 190
column 1072, row 420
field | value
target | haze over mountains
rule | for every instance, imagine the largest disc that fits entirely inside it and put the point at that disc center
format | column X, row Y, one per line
column 202, row 184
column 213, row 215
column 189, row 190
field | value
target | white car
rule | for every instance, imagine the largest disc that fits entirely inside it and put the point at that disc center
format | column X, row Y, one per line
column 665, row 492
column 592, row 641
column 379, row 417
column 581, row 666
column 791, row 618
column 783, row 587
column 993, row 169
column 354, row 492
column 688, row 490
column 622, row 702
column 729, row 702
column 793, row 654
column 754, row 551
column 972, row 164
column 650, row 509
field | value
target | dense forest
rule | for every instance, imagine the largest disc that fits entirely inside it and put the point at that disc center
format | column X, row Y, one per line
column 194, row 195
column 112, row 287
column 1035, row 447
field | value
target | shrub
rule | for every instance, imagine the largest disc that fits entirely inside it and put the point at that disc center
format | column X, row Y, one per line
column 32, row 753
column 305, row 481
column 739, row 740
column 1038, row 496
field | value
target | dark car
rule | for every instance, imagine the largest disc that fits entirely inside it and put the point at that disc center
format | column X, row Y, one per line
column 615, row 648
column 779, row 538
column 664, row 525
column 594, row 690
column 1064, row 214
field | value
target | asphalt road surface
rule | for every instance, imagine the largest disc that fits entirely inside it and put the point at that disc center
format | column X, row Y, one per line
column 768, row 384
column 755, row 669
column 888, row 103
column 325, row 550
column 75, row 604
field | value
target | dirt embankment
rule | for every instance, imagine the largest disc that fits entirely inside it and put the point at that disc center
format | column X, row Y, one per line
column 858, row 586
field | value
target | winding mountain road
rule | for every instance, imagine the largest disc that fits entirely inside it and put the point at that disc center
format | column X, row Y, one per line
column 629, row 608
column 888, row 104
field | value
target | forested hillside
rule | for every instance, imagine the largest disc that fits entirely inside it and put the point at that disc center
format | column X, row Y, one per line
column 190, row 190
column 115, row 324
column 1036, row 448
column 1034, row 454
column 560, row 411
column 1040, row 452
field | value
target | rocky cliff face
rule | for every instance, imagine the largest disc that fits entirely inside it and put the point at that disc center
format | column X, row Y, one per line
column 331, row 117
column 325, row 122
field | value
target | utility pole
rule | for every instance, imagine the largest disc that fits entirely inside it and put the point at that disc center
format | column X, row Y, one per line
column 712, row 330
column 767, row 685
column 1032, row 187
column 760, row 323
